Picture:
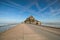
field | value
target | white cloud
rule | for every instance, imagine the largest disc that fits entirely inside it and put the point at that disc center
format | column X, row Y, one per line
column 54, row 12
column 37, row 5
column 48, row 6
column 19, row 5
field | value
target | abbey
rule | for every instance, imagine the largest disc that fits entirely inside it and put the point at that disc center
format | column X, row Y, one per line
column 32, row 20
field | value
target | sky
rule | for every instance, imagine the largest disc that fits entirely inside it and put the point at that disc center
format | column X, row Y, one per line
column 15, row 11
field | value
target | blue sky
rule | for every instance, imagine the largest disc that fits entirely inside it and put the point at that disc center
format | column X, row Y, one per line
column 14, row 11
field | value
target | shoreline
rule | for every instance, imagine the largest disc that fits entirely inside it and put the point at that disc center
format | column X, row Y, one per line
column 22, row 31
column 11, row 27
column 48, row 28
column 51, row 29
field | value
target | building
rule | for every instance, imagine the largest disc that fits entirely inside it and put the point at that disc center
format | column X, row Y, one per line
column 31, row 20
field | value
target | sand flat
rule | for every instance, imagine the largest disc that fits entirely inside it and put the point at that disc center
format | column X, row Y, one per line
column 28, row 32
column 13, row 34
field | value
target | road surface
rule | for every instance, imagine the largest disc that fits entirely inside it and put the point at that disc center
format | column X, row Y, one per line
column 28, row 32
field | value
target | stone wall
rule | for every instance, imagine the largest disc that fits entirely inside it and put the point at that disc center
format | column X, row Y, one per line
column 31, row 20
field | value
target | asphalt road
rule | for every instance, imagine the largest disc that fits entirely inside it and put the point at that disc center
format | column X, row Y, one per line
column 28, row 32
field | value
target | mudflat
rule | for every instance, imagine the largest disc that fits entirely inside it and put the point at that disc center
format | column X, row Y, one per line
column 29, row 32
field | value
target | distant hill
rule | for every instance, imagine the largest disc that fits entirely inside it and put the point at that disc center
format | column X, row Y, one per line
column 32, row 20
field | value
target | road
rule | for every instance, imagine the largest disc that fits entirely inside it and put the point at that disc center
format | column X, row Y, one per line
column 28, row 32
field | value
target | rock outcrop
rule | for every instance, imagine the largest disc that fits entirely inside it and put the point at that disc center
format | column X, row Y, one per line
column 31, row 20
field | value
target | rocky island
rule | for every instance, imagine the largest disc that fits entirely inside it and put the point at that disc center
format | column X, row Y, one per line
column 32, row 20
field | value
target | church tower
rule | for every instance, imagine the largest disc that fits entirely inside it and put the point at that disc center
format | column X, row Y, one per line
column 32, row 20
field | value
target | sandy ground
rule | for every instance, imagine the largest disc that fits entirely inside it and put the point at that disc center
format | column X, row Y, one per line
column 28, row 32
column 52, row 29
